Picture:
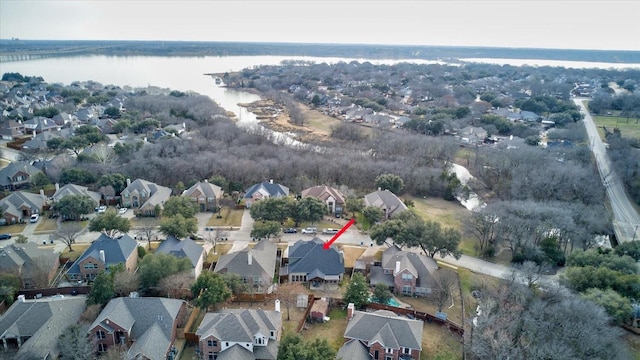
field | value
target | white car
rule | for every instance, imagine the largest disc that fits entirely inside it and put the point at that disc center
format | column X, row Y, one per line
column 34, row 218
column 309, row 230
column 122, row 210
column 101, row 209
column 330, row 231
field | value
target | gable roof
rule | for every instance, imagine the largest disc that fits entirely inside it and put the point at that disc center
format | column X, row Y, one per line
column 267, row 188
column 323, row 192
column 205, row 188
column 156, row 194
column 149, row 321
column 72, row 189
column 115, row 251
column 42, row 321
column 239, row 325
column 310, row 257
column 263, row 260
column 18, row 200
column 422, row 267
column 13, row 168
column 26, row 259
column 236, row 352
column 385, row 327
column 385, row 199
column 353, row 350
column 182, row 248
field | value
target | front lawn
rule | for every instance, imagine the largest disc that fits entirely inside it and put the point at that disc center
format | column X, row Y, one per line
column 228, row 217
column 46, row 225
column 14, row 229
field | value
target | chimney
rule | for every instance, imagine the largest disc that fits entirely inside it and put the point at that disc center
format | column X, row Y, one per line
column 102, row 258
column 57, row 187
column 21, row 298
column 42, row 194
column 249, row 258
column 350, row 309
column 128, row 182
column 271, row 181
column 397, row 268
column 277, row 305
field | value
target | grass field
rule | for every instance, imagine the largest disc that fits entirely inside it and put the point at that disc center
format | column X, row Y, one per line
column 628, row 127
column 14, row 229
column 447, row 213
column 75, row 254
column 46, row 225
column 351, row 254
column 332, row 330
column 144, row 221
column 221, row 249
column 230, row 217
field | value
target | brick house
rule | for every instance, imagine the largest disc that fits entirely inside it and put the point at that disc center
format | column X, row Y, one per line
column 103, row 253
column 143, row 196
column 404, row 272
column 264, row 190
column 34, row 266
column 205, row 195
column 330, row 196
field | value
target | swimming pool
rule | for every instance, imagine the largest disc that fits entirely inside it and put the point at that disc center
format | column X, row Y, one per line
column 391, row 302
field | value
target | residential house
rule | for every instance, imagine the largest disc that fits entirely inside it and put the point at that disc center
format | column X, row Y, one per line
column 34, row 266
column 39, row 142
column 17, row 175
column 186, row 248
column 404, row 272
column 264, row 190
column 30, row 329
column 240, row 334
column 144, row 196
column 472, row 135
column 380, row 335
column 387, row 201
column 72, row 189
column 330, row 196
column 86, row 115
column 255, row 266
column 103, row 253
column 205, row 195
column 146, row 326
column 40, row 124
column 63, row 119
column 308, row 261
column 19, row 206
column 530, row 116
column 10, row 130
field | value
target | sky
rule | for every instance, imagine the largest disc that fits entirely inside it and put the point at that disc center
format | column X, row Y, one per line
column 554, row 24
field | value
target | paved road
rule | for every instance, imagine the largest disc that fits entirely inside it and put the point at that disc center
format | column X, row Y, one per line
column 626, row 221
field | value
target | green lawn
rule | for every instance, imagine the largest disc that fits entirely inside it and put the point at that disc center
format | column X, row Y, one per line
column 628, row 127
column 447, row 213
column 46, row 225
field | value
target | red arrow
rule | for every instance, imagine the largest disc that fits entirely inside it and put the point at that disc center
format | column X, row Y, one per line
column 335, row 237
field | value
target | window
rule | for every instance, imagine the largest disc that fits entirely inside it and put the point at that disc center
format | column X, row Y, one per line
column 388, row 350
column 102, row 347
column 388, row 358
column 376, row 355
column 406, row 350
column 226, row 344
column 273, row 333
column 90, row 266
column 212, row 343
column 211, row 199
column 407, row 276
column 100, row 334
column 406, row 289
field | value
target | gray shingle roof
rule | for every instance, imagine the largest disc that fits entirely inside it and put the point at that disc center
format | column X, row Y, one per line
column 115, row 251
column 309, row 256
column 236, row 352
column 16, row 201
column 385, row 327
column 385, row 199
column 72, row 189
column 273, row 190
column 419, row 265
column 26, row 259
column 43, row 321
column 182, row 248
column 149, row 321
column 353, row 350
column 205, row 188
column 263, row 261
column 322, row 193
column 156, row 194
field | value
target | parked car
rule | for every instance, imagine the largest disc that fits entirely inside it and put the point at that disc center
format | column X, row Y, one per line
column 5, row 236
column 309, row 230
column 290, row 231
column 330, row 231
column 102, row 208
column 122, row 210
column 34, row 218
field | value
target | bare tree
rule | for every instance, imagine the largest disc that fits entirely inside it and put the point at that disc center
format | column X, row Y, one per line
column 42, row 267
column 125, row 282
column 176, row 284
column 288, row 293
column 444, row 286
column 68, row 233
column 147, row 231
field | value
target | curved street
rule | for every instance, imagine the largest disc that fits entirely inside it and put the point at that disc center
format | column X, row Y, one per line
column 626, row 221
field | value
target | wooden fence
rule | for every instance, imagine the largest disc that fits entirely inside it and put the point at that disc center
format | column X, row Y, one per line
column 306, row 313
column 69, row 290
column 456, row 328
column 189, row 333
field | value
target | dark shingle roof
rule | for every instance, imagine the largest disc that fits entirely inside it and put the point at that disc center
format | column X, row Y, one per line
column 181, row 248
column 263, row 260
column 385, row 327
column 274, row 190
column 309, row 256
column 385, row 199
column 115, row 250
column 353, row 350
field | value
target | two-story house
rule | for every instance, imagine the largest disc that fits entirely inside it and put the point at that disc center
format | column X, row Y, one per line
column 330, row 196
column 205, row 195
column 264, row 190
column 308, row 261
column 19, row 206
column 144, row 196
column 72, row 189
column 387, row 201
column 239, row 334
column 103, row 253
column 34, row 266
column 186, row 248
column 17, row 175
column 255, row 266
column 405, row 272
column 380, row 335
column 146, row 326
